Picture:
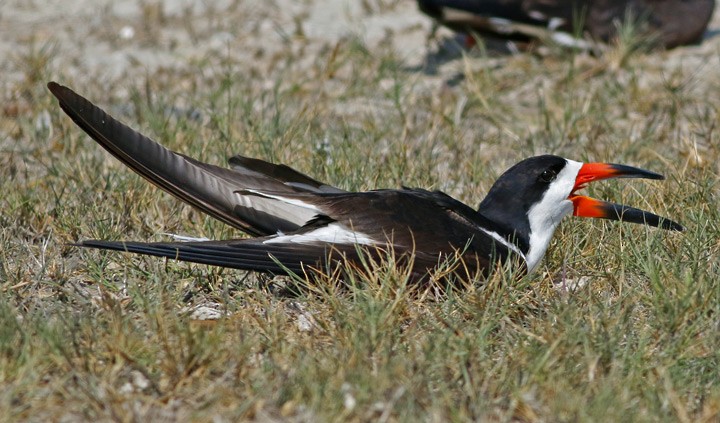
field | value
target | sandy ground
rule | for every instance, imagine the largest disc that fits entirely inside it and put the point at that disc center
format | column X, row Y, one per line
column 120, row 39
column 114, row 40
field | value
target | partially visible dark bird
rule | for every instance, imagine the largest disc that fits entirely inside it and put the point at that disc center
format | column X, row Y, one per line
column 671, row 22
column 301, row 224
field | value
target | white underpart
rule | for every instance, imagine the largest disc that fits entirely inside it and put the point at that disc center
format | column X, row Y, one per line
column 333, row 233
column 545, row 215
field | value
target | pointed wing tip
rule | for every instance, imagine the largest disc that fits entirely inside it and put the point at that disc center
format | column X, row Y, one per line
column 55, row 88
column 671, row 225
column 62, row 93
column 89, row 243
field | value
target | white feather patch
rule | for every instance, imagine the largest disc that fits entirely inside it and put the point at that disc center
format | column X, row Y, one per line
column 185, row 238
column 333, row 233
column 291, row 201
column 509, row 245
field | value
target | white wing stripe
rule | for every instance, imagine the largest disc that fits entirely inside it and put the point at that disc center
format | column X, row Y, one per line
column 333, row 233
column 505, row 242
column 286, row 200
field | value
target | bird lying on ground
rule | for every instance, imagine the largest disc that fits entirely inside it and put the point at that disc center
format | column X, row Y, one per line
column 670, row 22
column 300, row 224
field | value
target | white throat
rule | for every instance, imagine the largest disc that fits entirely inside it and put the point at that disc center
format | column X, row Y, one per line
column 546, row 215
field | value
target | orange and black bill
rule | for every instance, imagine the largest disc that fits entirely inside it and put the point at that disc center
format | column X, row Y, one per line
column 590, row 207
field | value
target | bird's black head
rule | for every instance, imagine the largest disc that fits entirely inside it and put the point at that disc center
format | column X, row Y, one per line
column 522, row 187
column 530, row 199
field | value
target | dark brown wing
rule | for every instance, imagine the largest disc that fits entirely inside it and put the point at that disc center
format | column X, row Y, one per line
column 419, row 221
column 214, row 190
column 246, row 254
column 282, row 173
column 427, row 228
column 253, row 254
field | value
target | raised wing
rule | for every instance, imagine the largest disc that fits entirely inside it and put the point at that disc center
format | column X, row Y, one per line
column 217, row 191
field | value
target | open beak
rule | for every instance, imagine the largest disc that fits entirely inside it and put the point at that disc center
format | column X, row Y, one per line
column 590, row 207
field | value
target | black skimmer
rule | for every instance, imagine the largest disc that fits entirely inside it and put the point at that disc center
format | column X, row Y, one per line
column 300, row 223
column 671, row 22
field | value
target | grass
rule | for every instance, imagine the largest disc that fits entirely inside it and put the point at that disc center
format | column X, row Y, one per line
column 86, row 335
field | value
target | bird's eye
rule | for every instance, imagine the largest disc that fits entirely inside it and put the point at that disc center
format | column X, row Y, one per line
column 548, row 176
